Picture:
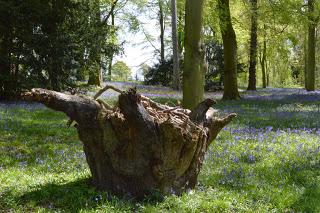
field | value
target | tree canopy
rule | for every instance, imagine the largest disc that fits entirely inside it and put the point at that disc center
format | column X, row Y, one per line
column 56, row 43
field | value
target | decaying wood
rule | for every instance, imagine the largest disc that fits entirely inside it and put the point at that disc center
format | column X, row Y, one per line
column 139, row 145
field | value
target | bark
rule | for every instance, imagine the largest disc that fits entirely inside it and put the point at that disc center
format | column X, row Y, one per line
column 193, row 74
column 161, row 22
column 95, row 74
column 180, row 33
column 176, row 68
column 229, row 52
column 7, row 82
column 268, row 74
column 311, row 67
column 253, row 47
column 139, row 146
column 112, row 53
column 263, row 64
column 305, row 49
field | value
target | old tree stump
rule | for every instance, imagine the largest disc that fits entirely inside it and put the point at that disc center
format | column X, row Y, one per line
column 138, row 145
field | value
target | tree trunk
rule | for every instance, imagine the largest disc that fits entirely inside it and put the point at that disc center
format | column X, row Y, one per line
column 253, row 47
column 175, row 51
column 95, row 74
column 305, row 49
column 311, row 67
column 193, row 74
column 112, row 53
column 229, row 52
column 162, row 28
column 263, row 64
column 8, row 85
column 268, row 73
column 180, row 33
column 139, row 146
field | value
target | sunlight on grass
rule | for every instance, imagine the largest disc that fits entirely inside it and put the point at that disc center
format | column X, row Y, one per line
column 267, row 160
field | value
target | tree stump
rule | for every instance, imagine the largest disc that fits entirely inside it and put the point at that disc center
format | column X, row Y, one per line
column 138, row 146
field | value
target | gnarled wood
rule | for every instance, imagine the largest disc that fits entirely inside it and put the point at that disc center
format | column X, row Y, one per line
column 139, row 145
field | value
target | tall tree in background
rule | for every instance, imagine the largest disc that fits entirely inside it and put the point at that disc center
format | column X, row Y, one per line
column 193, row 74
column 263, row 63
column 6, row 31
column 95, row 74
column 311, row 55
column 263, row 59
column 176, row 68
column 229, row 52
column 253, row 46
column 162, row 29
column 111, row 53
column 101, row 46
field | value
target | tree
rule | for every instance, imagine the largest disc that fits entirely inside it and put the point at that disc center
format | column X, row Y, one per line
column 193, row 74
column 175, row 51
column 6, row 30
column 37, row 39
column 253, row 46
column 120, row 71
column 100, row 46
column 263, row 63
column 139, row 146
column 50, row 44
column 95, row 73
column 311, row 59
column 159, row 74
column 162, row 29
column 113, row 32
column 229, row 52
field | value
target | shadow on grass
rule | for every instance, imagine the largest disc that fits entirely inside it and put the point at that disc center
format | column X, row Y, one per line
column 81, row 195
column 309, row 201
column 73, row 196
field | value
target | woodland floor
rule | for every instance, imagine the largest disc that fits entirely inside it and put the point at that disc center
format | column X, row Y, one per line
column 266, row 160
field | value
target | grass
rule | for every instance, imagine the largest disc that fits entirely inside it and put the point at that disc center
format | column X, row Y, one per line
column 267, row 160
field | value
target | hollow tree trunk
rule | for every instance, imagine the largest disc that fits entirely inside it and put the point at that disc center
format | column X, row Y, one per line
column 139, row 146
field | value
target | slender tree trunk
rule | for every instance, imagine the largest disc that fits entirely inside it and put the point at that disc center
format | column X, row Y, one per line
column 112, row 53
column 180, row 34
column 305, row 49
column 311, row 67
column 229, row 52
column 53, row 56
column 162, row 28
column 253, row 47
column 95, row 74
column 193, row 74
column 263, row 64
column 53, row 67
column 267, row 73
column 6, row 89
column 176, row 68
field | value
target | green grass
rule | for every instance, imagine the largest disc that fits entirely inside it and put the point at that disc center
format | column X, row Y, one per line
column 250, row 167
